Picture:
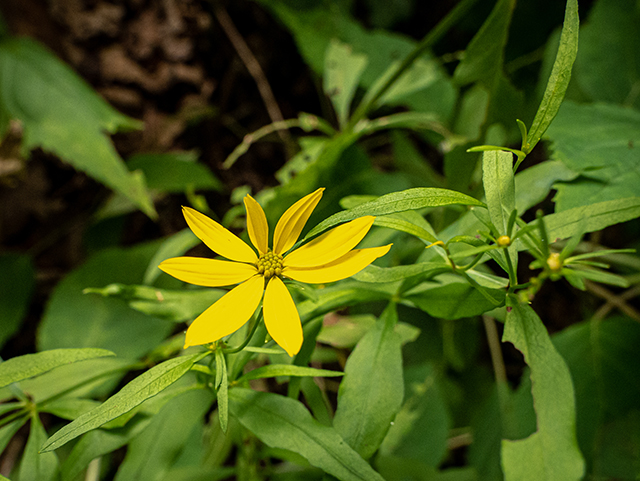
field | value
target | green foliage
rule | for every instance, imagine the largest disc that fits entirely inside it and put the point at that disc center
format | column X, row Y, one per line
column 401, row 374
column 62, row 114
column 283, row 423
column 104, row 322
column 371, row 393
column 19, row 368
column 552, row 451
column 599, row 142
column 137, row 391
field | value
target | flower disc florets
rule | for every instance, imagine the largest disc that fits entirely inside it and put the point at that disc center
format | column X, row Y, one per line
column 270, row 264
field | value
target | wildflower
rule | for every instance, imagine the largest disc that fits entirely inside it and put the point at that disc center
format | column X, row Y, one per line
column 328, row 258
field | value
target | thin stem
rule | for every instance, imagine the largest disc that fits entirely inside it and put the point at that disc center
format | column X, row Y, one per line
column 13, row 416
column 254, row 68
column 510, row 270
column 252, row 331
column 429, row 40
column 613, row 300
column 493, row 340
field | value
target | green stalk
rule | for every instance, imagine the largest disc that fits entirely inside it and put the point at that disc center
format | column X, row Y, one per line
column 429, row 40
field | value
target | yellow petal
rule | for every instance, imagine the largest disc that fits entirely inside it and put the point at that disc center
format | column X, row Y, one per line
column 281, row 317
column 217, row 238
column 257, row 225
column 208, row 272
column 331, row 245
column 293, row 220
column 346, row 266
column 227, row 314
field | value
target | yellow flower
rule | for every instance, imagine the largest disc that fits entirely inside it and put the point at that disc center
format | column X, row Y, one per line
column 328, row 258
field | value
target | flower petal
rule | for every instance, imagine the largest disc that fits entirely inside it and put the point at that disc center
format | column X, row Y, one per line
column 227, row 314
column 208, row 272
column 349, row 264
column 257, row 225
column 293, row 220
column 281, row 317
column 217, row 238
column 330, row 245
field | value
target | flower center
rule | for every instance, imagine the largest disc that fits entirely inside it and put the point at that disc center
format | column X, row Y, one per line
column 270, row 264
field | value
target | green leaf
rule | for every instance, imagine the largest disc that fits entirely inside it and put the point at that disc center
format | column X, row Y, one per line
column 172, row 246
column 30, row 365
column 172, row 305
column 534, row 183
column 608, row 65
column 568, row 223
column 93, row 377
column 69, row 407
column 499, row 187
column 222, row 390
column 484, row 56
column 99, row 442
column 281, row 422
column 332, row 298
column 405, row 120
column 36, row 466
column 604, row 360
column 375, row 274
column 137, row 391
column 9, row 430
column 409, row 199
column 174, row 172
column 559, row 78
column 450, row 297
column 421, row 428
column 74, row 319
column 601, row 143
column 62, row 114
column 394, row 221
column 274, row 370
column 16, row 286
column 346, row 331
column 314, row 26
column 597, row 275
column 410, row 161
column 552, row 451
column 152, row 453
column 342, row 71
column 371, row 392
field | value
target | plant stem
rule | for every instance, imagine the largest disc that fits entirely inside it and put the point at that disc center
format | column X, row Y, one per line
column 429, row 40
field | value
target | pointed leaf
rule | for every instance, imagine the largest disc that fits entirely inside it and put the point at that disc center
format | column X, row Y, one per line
column 567, row 223
column 559, row 78
column 137, row 391
column 281, row 422
column 409, row 199
column 552, row 451
column 499, row 187
column 342, row 70
column 62, row 114
column 371, row 392
column 36, row 466
column 274, row 370
column 30, row 365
